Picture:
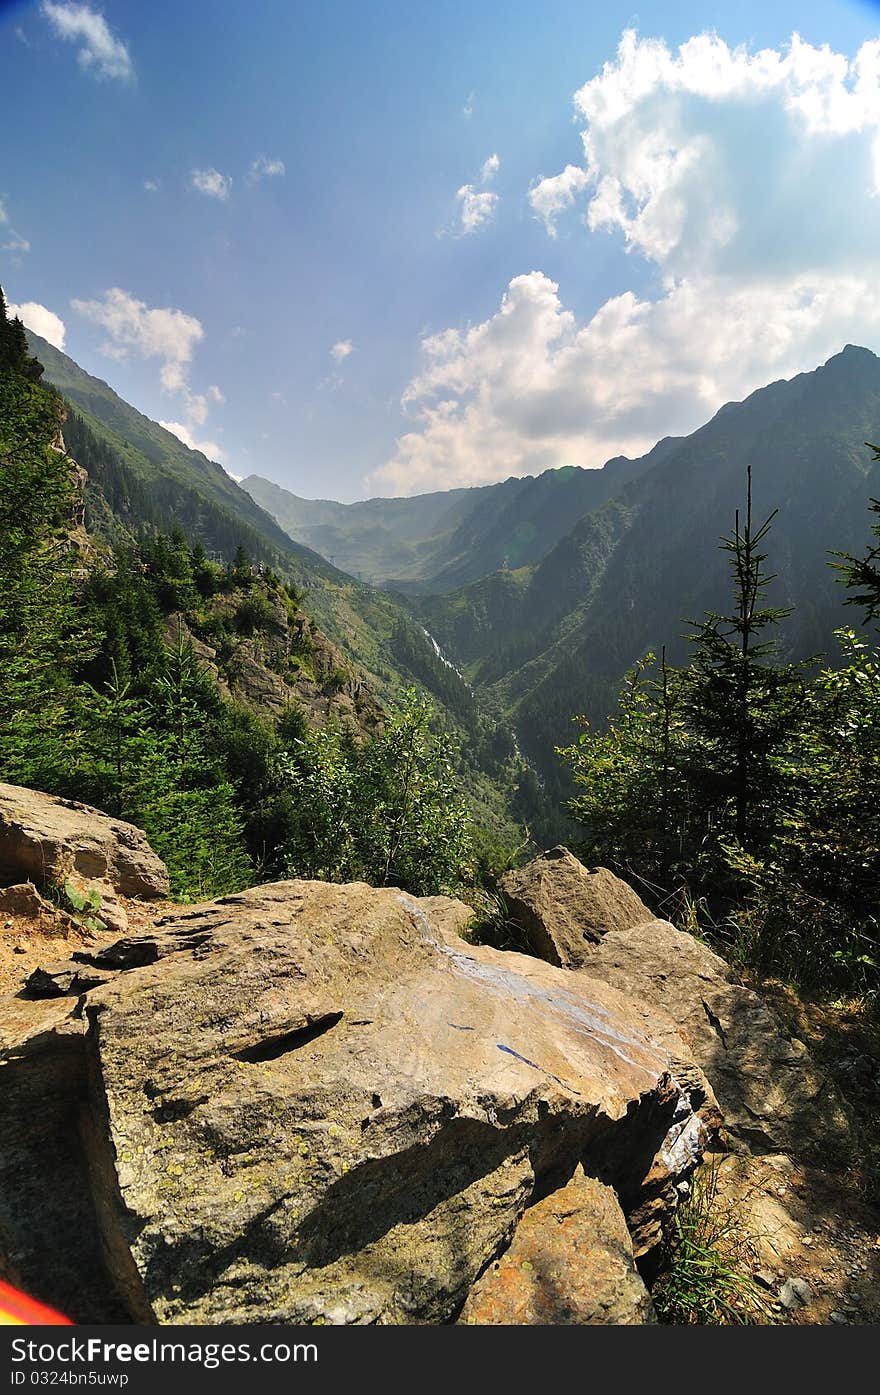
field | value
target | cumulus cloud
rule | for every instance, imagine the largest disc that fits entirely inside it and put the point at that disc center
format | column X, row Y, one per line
column 184, row 433
column 212, row 183
column 750, row 182
column 100, row 52
column 489, row 169
column 41, row 320
column 151, row 186
column 132, row 326
column 166, row 334
column 550, row 197
column 475, row 208
column 264, row 168
column 341, row 350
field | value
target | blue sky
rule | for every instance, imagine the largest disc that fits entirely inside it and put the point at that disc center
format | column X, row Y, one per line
column 280, row 227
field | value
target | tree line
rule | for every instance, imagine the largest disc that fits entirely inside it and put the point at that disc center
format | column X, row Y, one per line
column 741, row 793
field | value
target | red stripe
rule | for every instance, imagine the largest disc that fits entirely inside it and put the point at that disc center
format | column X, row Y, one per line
column 16, row 1307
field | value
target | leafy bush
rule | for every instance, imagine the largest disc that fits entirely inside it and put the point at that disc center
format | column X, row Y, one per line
column 387, row 810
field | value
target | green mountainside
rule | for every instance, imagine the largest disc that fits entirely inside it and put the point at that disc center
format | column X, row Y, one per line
column 141, row 477
column 547, row 641
column 569, row 577
column 438, row 542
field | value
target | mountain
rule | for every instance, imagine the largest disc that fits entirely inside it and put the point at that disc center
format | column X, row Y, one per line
column 544, row 642
column 140, row 476
column 137, row 468
column 438, row 542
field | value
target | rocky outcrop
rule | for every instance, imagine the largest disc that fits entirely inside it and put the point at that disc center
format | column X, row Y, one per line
column 571, row 1263
column 563, row 908
column 47, row 839
column 315, row 1103
column 23, row 899
column 773, row 1095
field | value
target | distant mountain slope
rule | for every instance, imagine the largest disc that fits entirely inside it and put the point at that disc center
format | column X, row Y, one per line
column 141, row 476
column 438, row 542
column 555, row 639
column 178, row 484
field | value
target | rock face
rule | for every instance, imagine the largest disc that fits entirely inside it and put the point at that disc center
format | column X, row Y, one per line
column 24, row 900
column 570, row 1263
column 44, row 838
column 773, row 1096
column 315, row 1103
column 564, row 908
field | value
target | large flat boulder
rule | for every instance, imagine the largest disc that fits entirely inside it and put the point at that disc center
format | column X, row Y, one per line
column 47, row 839
column 570, row 1264
column 316, row 1103
column 562, row 907
column 773, row 1095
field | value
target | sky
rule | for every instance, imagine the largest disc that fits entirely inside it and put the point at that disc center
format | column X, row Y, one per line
column 396, row 247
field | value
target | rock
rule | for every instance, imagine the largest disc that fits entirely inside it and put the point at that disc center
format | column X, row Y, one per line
column 563, row 907
column 24, row 900
column 773, row 1096
column 570, row 1262
column 45, row 838
column 49, row 1237
column 764, row 1278
column 839, row 1318
column 315, row 1103
column 795, row 1293
column 67, row 976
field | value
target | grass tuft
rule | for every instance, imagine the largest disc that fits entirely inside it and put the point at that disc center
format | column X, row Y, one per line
column 707, row 1280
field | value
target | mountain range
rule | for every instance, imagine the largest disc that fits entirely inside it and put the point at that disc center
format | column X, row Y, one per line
column 523, row 603
column 554, row 636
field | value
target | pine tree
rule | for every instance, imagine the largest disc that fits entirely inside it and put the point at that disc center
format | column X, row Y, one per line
column 742, row 704
column 862, row 574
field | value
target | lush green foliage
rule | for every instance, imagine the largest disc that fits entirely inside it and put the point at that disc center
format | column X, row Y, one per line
column 386, row 810
column 103, row 697
column 746, row 791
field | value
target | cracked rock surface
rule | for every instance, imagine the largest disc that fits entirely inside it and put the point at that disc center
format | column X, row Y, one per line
column 774, row 1096
column 316, row 1103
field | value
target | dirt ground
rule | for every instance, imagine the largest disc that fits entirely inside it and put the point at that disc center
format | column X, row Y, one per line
column 28, row 943
column 804, row 1224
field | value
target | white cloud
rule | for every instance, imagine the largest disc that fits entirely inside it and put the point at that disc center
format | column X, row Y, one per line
column 489, row 169
column 42, row 321
column 167, row 334
column 549, row 197
column 341, row 350
column 151, row 186
column 467, row 110
column 476, row 208
column 750, row 183
column 16, row 243
column 212, row 183
column 184, row 434
column 215, row 394
column 100, row 53
column 263, row 167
